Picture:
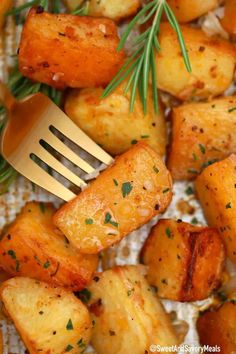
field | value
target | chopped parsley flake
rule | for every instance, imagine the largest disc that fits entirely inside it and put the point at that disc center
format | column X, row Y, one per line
column 126, row 189
column 108, row 220
column 168, row 233
column 189, row 191
column 129, row 292
column 84, row 295
column 46, row 265
column 115, row 182
column 69, row 325
column 144, row 136
column 89, row 221
column 194, row 157
column 155, row 169
column 228, row 206
column 42, row 207
column 194, row 221
column 166, row 190
column 69, row 348
column 81, row 343
column 202, row 148
column 134, row 141
column 12, row 254
column 232, row 109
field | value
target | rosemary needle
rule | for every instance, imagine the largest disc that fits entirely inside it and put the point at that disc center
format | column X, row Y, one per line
column 141, row 66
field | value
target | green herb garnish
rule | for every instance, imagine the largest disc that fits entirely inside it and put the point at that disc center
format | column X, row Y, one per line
column 89, row 221
column 69, row 325
column 140, row 67
column 108, row 220
column 69, row 348
column 202, row 148
column 126, row 189
column 84, row 295
column 46, row 265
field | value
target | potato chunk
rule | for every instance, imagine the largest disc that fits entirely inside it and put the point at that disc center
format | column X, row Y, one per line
column 186, row 10
column 198, row 136
column 66, row 50
column 5, row 5
column 218, row 327
column 127, row 315
column 196, row 254
column 49, row 319
column 212, row 60
column 228, row 21
column 110, row 123
column 122, row 198
column 216, row 190
column 33, row 247
column 113, row 9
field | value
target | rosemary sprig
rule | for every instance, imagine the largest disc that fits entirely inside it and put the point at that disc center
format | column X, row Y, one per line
column 141, row 65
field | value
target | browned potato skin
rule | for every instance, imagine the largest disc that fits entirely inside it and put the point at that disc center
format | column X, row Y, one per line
column 5, row 5
column 199, row 137
column 217, row 194
column 228, row 21
column 218, row 327
column 212, row 61
column 33, row 247
column 141, row 169
column 110, row 123
column 186, row 10
column 66, row 50
column 113, row 9
column 196, row 254
column 41, row 314
column 127, row 315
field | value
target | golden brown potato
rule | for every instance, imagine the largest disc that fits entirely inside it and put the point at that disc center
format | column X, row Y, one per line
column 228, row 21
column 49, row 319
column 122, row 198
column 110, row 123
column 65, row 50
column 196, row 254
column 33, row 247
column 216, row 190
column 127, row 315
column 218, row 328
column 212, row 60
column 198, row 136
column 186, row 10
column 113, row 9
column 5, row 5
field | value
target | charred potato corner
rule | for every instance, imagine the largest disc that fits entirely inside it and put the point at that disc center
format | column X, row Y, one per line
column 138, row 253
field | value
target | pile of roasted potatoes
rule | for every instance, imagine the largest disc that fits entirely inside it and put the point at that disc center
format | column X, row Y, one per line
column 54, row 294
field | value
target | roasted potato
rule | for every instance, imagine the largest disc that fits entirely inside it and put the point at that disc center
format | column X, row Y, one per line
column 66, row 50
column 198, row 136
column 186, row 10
column 49, row 319
column 228, row 20
column 212, row 61
column 110, row 123
column 127, row 315
column 218, row 328
column 122, row 198
column 196, row 254
column 113, row 9
column 216, row 190
column 33, row 247
column 5, row 5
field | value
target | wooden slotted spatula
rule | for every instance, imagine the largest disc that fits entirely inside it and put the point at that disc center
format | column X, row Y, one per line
column 32, row 122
